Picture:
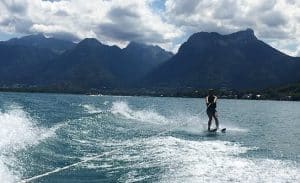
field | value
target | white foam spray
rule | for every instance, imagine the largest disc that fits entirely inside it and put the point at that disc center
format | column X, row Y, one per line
column 91, row 109
column 189, row 123
column 202, row 161
column 17, row 131
column 145, row 115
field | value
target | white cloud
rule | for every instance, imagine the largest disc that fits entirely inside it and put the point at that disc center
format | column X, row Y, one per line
column 117, row 21
column 274, row 21
column 110, row 21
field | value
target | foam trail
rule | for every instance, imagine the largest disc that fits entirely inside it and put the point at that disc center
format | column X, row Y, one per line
column 236, row 129
column 203, row 161
column 200, row 126
column 17, row 131
column 91, row 109
column 6, row 175
column 192, row 124
column 218, row 161
column 122, row 109
column 196, row 125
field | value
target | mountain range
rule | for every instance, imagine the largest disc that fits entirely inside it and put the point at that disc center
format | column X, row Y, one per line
column 206, row 60
column 238, row 60
column 40, row 61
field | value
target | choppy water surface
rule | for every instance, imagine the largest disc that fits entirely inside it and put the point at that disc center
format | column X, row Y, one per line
column 145, row 139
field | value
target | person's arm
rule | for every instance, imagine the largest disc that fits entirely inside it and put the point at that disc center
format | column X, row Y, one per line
column 206, row 100
column 215, row 100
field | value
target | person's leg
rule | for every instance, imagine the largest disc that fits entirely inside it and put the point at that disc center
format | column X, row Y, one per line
column 216, row 119
column 209, row 120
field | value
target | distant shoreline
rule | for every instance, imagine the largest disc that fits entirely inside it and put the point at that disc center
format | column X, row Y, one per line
column 200, row 93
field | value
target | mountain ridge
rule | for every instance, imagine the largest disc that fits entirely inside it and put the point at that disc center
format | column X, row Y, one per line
column 238, row 60
column 41, row 41
column 206, row 60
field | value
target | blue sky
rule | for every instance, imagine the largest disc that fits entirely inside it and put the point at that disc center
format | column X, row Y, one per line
column 158, row 5
column 167, row 23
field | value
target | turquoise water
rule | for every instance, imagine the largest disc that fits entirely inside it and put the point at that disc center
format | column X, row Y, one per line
column 145, row 139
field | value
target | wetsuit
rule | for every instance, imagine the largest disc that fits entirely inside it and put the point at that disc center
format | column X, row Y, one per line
column 211, row 106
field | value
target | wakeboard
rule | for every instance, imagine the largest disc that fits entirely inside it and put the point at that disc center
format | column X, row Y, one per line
column 223, row 130
column 213, row 130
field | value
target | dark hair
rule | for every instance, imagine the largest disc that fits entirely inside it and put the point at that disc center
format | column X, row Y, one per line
column 210, row 92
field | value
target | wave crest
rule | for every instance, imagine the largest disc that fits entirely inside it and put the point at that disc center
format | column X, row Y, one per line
column 18, row 130
column 151, row 116
column 91, row 109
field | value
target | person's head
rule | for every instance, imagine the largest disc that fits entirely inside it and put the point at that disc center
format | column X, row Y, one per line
column 210, row 92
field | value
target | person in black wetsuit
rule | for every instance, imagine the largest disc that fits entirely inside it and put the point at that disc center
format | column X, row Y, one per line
column 211, row 103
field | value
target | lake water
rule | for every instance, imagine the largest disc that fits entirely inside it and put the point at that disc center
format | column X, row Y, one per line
column 145, row 139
